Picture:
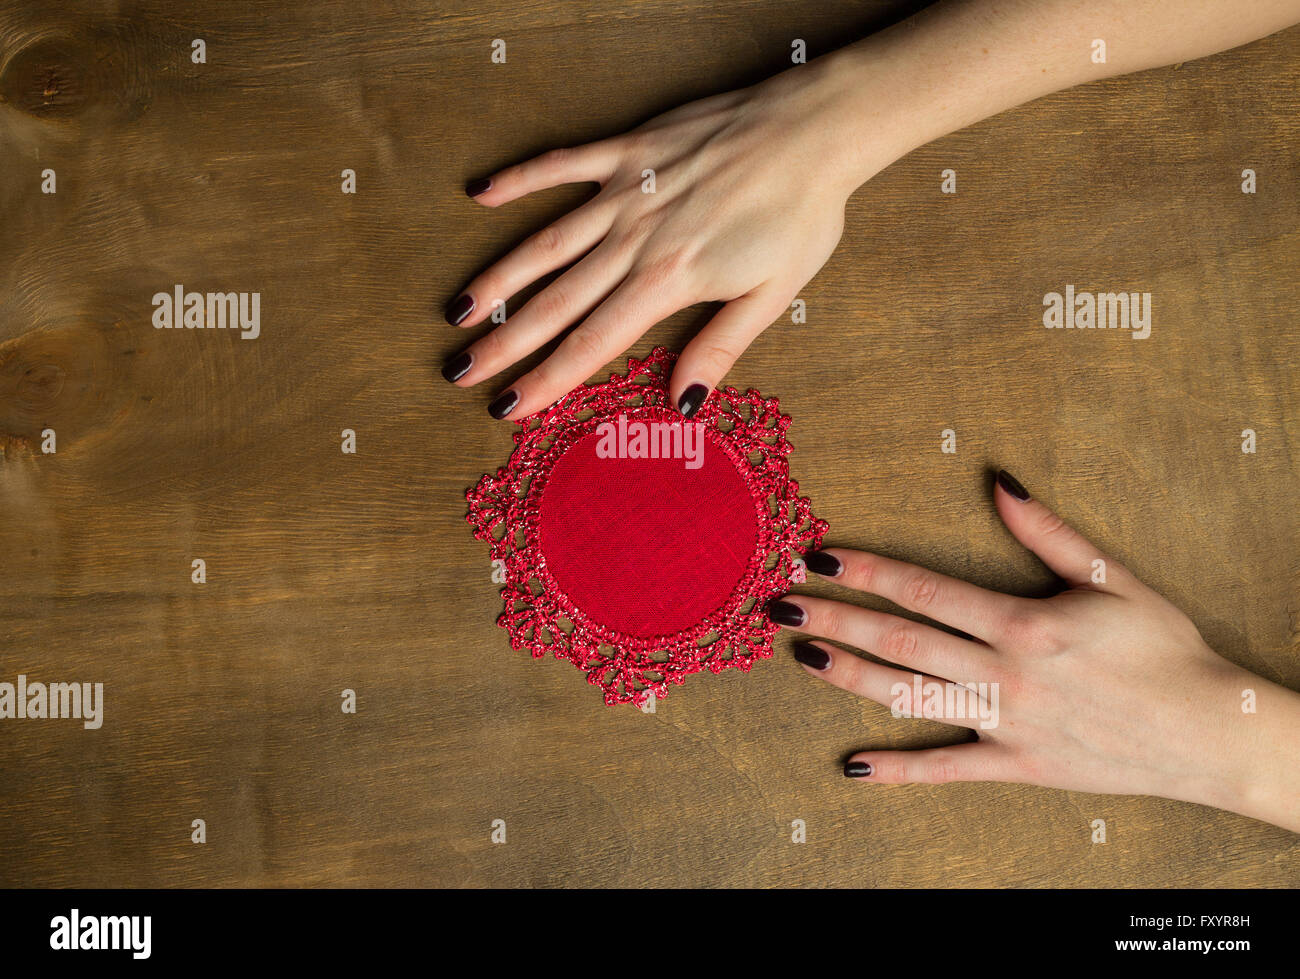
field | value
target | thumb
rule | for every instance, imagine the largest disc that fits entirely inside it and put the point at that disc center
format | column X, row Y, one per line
column 716, row 348
column 1062, row 548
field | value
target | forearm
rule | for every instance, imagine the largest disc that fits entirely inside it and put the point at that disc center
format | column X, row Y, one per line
column 961, row 61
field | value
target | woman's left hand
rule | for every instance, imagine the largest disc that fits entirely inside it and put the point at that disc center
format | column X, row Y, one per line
column 1105, row 687
column 737, row 199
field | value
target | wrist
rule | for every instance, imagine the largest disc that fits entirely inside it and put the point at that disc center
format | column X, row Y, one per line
column 867, row 113
column 1223, row 762
column 1249, row 766
column 837, row 109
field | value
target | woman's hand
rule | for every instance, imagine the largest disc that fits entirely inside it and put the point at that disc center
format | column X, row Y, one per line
column 750, row 186
column 1105, row 687
column 747, row 204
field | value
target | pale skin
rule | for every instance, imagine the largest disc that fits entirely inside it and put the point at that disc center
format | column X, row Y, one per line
column 1105, row 687
column 751, row 185
column 750, row 192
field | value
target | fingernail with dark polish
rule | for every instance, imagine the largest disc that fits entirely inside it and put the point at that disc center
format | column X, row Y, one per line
column 691, row 399
column 503, row 405
column 476, row 187
column 810, row 655
column 826, row 565
column 459, row 308
column 459, row 366
column 857, row 769
column 1012, row 485
column 785, row 613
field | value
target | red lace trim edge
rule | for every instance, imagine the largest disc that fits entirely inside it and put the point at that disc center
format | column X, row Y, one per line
column 504, row 510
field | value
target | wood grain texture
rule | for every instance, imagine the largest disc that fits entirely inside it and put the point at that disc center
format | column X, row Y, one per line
column 328, row 571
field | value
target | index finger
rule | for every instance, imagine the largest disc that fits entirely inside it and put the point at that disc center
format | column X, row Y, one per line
column 568, row 165
column 613, row 326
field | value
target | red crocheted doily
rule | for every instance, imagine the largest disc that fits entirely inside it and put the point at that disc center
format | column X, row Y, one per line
column 639, row 570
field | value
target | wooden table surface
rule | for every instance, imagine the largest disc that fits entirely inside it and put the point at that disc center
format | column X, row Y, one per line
column 327, row 571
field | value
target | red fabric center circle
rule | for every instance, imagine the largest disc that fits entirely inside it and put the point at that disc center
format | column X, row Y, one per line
column 647, row 547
